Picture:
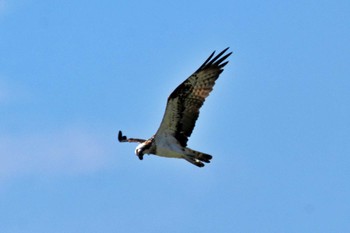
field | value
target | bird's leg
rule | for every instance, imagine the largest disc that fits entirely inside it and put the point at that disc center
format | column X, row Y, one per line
column 123, row 138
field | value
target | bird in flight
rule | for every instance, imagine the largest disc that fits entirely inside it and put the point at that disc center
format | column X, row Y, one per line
column 181, row 113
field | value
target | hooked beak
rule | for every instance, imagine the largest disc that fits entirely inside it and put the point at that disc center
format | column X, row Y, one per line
column 139, row 154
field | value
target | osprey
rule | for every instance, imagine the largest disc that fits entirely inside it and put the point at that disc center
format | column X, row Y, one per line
column 181, row 113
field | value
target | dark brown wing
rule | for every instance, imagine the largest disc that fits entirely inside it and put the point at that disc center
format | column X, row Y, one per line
column 184, row 102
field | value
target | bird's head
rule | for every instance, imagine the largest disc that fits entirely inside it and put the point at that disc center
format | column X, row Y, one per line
column 143, row 148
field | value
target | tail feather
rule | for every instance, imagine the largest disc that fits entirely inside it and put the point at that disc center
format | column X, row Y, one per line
column 196, row 157
column 194, row 161
column 204, row 157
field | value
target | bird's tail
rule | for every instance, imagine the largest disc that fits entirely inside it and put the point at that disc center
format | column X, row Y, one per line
column 196, row 157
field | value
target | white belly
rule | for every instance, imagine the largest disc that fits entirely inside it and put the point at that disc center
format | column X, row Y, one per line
column 169, row 147
column 165, row 152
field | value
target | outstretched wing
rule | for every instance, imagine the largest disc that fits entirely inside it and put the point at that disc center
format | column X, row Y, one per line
column 184, row 102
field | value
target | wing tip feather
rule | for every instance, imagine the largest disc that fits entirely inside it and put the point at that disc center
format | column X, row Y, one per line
column 216, row 61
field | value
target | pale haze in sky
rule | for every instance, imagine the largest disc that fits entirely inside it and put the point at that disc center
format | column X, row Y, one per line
column 74, row 73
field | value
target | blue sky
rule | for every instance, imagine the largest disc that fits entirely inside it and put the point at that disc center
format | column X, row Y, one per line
column 73, row 73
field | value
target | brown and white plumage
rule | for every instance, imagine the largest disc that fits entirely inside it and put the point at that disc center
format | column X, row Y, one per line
column 181, row 113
